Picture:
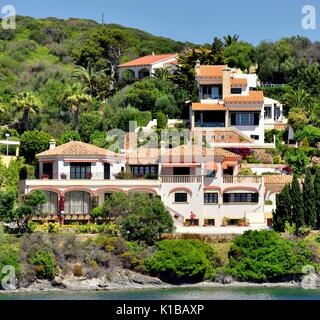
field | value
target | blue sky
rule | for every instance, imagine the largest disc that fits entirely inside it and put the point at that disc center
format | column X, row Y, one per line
column 197, row 21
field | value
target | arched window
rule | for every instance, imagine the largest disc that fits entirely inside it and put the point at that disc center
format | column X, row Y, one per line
column 77, row 202
column 51, row 205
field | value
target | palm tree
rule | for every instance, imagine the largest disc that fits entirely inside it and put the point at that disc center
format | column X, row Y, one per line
column 229, row 39
column 28, row 103
column 95, row 82
column 162, row 73
column 76, row 97
column 298, row 99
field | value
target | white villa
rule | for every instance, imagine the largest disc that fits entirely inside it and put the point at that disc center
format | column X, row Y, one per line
column 146, row 66
column 231, row 110
column 76, row 177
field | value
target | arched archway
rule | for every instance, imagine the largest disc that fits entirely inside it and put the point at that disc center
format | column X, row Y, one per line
column 182, row 189
column 77, row 202
column 129, row 74
column 52, row 204
column 142, row 190
column 144, row 72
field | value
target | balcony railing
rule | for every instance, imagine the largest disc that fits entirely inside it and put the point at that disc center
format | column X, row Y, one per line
column 181, row 179
column 242, row 179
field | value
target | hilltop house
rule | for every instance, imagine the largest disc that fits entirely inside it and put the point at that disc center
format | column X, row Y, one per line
column 146, row 66
column 76, row 177
column 231, row 110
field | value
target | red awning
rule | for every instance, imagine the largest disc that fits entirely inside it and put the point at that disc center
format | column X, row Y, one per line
column 171, row 165
column 211, row 166
column 72, row 161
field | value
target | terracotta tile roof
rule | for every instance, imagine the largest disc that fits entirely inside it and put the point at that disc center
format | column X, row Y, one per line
column 277, row 179
column 143, row 156
column 254, row 96
column 207, row 106
column 208, row 71
column 239, row 82
column 175, row 61
column 148, row 60
column 76, row 149
column 197, row 150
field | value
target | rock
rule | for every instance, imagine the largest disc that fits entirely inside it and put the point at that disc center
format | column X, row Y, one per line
column 227, row 279
column 40, row 285
column 129, row 277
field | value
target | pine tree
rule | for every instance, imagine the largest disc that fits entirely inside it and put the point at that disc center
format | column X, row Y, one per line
column 309, row 200
column 317, row 196
column 297, row 204
column 283, row 212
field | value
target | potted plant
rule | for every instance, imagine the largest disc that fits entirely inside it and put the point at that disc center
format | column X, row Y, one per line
column 140, row 176
column 45, row 176
column 241, row 222
column 63, row 176
column 225, row 221
column 88, row 175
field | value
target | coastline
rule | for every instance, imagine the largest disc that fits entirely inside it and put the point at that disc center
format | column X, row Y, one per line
column 44, row 287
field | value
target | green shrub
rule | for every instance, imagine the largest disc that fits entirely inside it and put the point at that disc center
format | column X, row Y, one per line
column 53, row 227
column 264, row 255
column 276, row 160
column 124, row 175
column 161, row 120
column 179, row 261
column 246, row 172
column 251, row 159
column 9, row 255
column 143, row 118
column 44, row 264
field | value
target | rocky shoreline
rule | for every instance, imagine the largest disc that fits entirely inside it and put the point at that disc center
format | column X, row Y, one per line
column 129, row 280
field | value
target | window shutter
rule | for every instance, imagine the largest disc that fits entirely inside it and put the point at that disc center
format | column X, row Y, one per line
column 256, row 119
column 226, row 197
column 233, row 119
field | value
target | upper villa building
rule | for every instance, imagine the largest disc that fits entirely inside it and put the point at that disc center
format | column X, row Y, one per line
column 146, row 66
column 231, row 110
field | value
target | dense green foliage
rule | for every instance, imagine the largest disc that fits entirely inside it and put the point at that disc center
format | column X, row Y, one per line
column 139, row 217
column 264, row 255
column 178, row 261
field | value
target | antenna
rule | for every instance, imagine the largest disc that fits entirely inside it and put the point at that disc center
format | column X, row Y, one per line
column 102, row 19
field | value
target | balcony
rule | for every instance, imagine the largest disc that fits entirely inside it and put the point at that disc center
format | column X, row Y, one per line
column 242, row 179
column 181, row 179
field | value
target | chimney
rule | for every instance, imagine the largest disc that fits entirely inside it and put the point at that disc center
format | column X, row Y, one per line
column 153, row 53
column 198, row 64
column 226, row 82
column 52, row 144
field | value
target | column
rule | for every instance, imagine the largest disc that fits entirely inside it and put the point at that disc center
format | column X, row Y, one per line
column 227, row 119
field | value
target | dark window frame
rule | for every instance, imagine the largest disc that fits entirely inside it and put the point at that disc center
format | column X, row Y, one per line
column 210, row 197
column 80, row 170
column 241, row 197
column 181, row 197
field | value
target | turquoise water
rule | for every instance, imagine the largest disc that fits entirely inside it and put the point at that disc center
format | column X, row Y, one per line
column 174, row 294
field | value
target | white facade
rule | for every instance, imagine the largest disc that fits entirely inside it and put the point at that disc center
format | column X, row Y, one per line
column 209, row 187
column 229, row 101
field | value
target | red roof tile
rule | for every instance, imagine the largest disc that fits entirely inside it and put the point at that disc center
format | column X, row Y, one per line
column 148, row 60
